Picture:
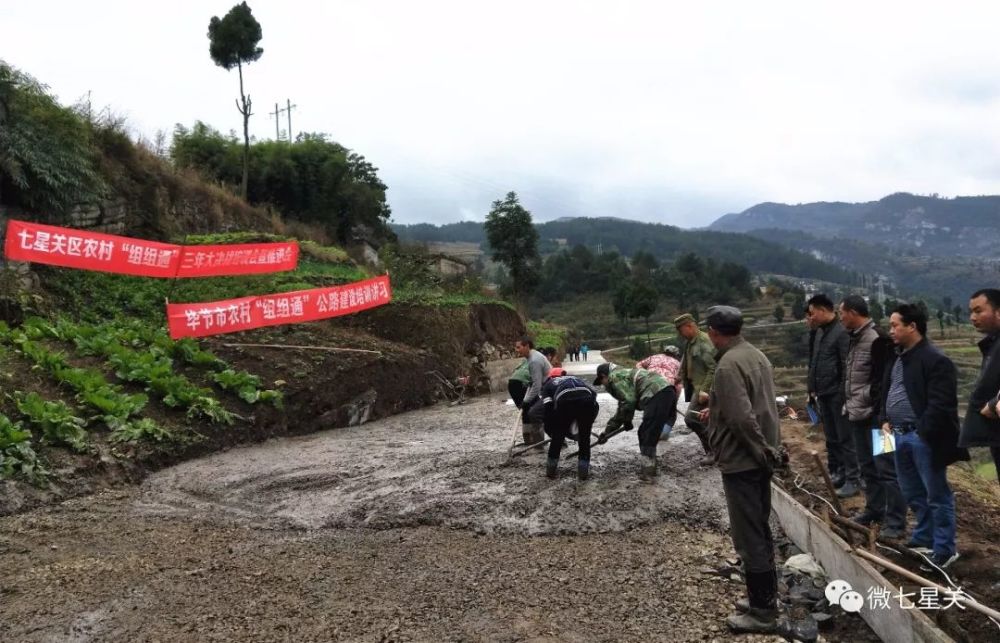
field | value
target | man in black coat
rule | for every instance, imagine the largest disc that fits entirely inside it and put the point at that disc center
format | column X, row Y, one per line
column 920, row 407
column 982, row 423
column 829, row 345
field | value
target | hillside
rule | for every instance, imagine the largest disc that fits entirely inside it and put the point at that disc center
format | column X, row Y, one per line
column 663, row 241
column 97, row 394
column 909, row 273
column 928, row 225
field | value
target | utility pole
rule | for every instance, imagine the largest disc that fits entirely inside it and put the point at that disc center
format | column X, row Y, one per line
column 275, row 114
column 289, row 110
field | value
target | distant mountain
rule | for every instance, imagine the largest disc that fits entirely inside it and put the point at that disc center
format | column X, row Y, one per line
column 663, row 241
column 928, row 225
column 911, row 272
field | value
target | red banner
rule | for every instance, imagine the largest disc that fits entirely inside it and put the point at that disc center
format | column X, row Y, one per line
column 87, row 250
column 258, row 311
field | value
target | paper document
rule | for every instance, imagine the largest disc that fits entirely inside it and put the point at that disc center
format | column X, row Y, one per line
column 882, row 443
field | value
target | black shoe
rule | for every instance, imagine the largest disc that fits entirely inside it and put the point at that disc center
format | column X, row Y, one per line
column 583, row 469
column 552, row 468
column 847, row 490
column 939, row 561
column 920, row 548
column 866, row 518
column 838, row 480
column 893, row 533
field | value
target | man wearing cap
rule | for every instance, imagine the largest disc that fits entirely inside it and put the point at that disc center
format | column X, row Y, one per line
column 635, row 388
column 746, row 437
column 696, row 373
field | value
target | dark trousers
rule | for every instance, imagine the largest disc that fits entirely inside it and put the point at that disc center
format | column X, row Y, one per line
column 883, row 498
column 842, row 460
column 658, row 412
column 559, row 420
column 691, row 422
column 748, row 498
column 517, row 389
column 995, row 452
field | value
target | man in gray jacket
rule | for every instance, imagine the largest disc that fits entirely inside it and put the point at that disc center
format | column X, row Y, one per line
column 869, row 351
column 538, row 368
column 828, row 344
column 745, row 433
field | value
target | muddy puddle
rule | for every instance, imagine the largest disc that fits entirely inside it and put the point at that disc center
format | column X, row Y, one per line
column 442, row 466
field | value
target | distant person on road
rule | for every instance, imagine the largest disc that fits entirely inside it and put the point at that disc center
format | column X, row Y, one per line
column 869, row 351
column 568, row 400
column 696, row 374
column 920, row 407
column 538, row 370
column 636, row 388
column 584, row 349
column 746, row 439
column 981, row 427
column 828, row 346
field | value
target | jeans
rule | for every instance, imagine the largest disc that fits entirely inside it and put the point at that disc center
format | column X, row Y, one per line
column 558, row 423
column 840, row 455
column 927, row 493
column 883, row 498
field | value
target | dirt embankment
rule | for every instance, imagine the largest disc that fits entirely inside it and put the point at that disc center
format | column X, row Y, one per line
column 399, row 346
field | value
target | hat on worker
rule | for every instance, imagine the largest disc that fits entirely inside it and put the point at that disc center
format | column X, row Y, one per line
column 672, row 351
column 683, row 319
column 557, row 372
column 602, row 371
column 725, row 319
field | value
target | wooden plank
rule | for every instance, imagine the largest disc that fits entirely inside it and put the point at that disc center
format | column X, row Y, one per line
column 810, row 534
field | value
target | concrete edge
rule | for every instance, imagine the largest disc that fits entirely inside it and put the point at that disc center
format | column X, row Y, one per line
column 810, row 534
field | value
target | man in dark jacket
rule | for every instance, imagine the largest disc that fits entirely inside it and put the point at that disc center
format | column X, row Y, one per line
column 869, row 351
column 828, row 346
column 982, row 423
column 920, row 406
column 746, row 436
column 568, row 399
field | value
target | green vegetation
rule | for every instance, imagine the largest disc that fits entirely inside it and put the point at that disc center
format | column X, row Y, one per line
column 548, row 334
column 56, row 420
column 47, row 159
column 233, row 43
column 17, row 457
column 666, row 243
column 514, row 244
column 313, row 180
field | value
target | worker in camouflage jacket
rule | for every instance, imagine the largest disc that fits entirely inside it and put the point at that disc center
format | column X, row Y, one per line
column 696, row 375
column 638, row 389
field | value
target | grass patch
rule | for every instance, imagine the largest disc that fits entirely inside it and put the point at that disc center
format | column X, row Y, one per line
column 546, row 334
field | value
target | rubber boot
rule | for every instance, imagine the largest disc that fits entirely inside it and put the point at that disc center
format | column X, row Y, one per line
column 552, row 468
column 538, row 435
column 583, row 469
column 755, row 621
column 761, row 614
column 709, row 459
column 647, row 464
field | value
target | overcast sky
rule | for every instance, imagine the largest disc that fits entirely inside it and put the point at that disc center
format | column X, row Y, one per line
column 676, row 112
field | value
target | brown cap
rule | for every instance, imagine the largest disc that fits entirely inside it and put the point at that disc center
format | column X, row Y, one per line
column 683, row 319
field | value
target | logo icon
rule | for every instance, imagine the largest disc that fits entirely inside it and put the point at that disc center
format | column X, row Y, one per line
column 840, row 592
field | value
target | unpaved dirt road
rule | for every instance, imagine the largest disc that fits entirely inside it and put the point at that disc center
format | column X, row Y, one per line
column 409, row 528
